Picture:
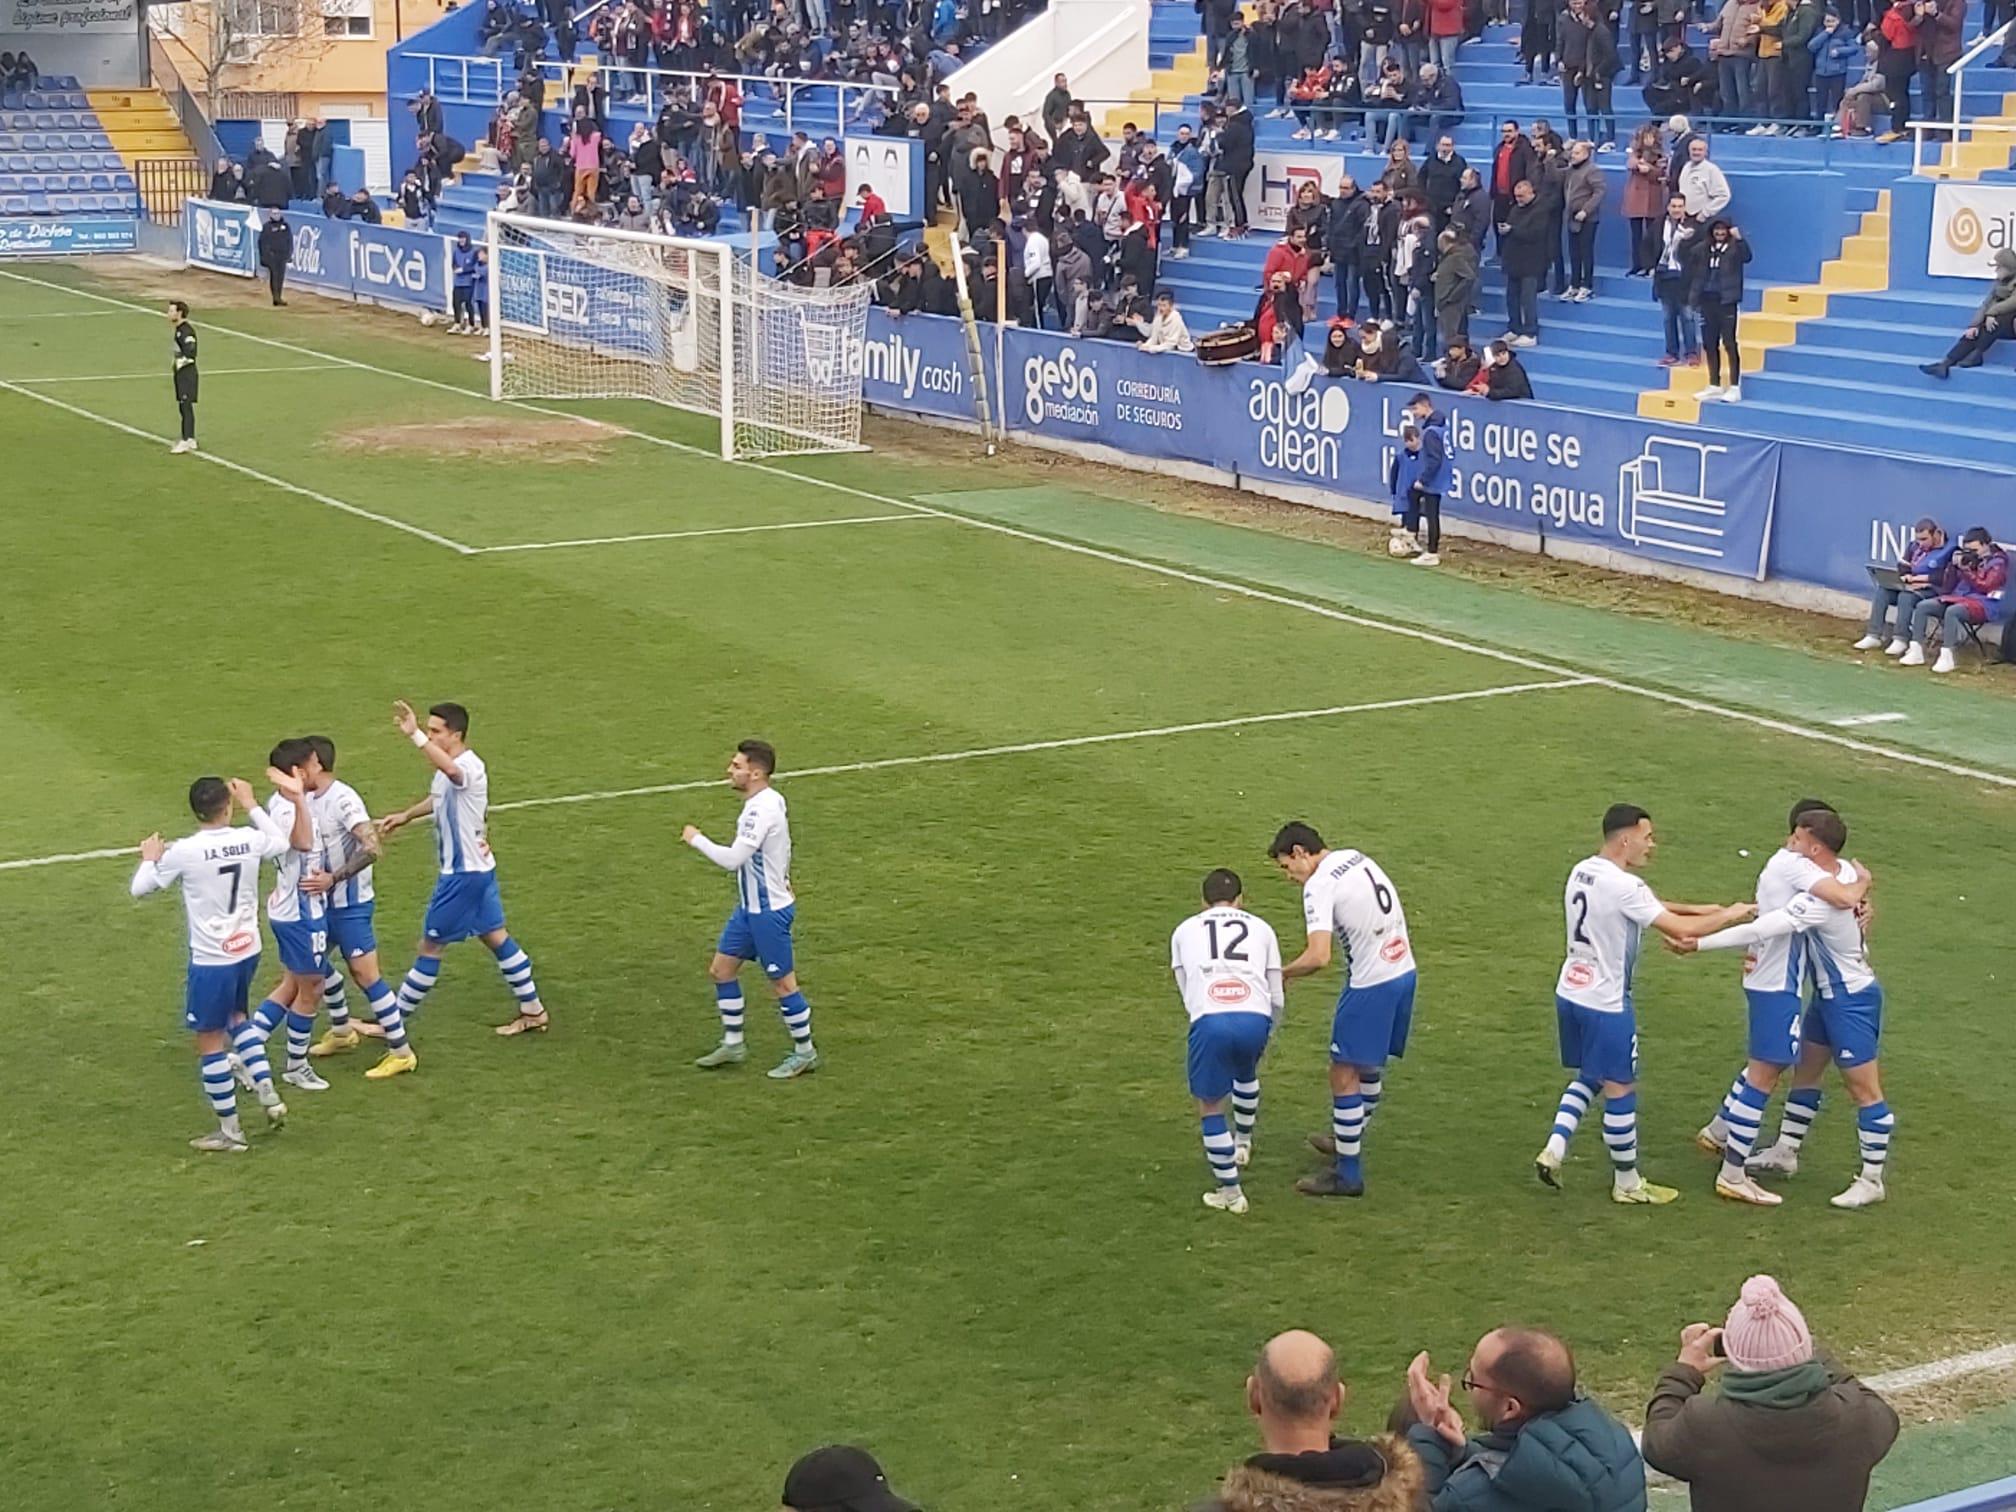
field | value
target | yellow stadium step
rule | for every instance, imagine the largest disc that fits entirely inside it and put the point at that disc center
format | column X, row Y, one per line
column 1864, row 265
column 139, row 123
column 1187, row 76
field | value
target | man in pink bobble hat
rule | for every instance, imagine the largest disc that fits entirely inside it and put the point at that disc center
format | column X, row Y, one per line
column 1786, row 1429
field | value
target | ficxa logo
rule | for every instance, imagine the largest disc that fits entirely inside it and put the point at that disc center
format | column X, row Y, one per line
column 1060, row 388
column 388, row 267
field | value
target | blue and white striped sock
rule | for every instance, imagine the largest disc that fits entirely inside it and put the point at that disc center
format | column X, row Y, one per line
column 385, row 1008
column 1718, row 1126
column 728, row 1003
column 1245, row 1109
column 1218, row 1150
column 797, row 1019
column 300, row 1030
column 420, row 979
column 1802, row 1106
column 221, row 1090
column 517, row 969
column 1620, row 1133
column 1744, row 1115
column 1575, row 1100
column 266, row 1017
column 249, row 1040
column 1875, row 1124
column 1371, row 1087
column 1347, row 1127
column 334, row 1001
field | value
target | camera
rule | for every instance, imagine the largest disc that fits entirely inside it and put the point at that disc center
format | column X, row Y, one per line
column 1967, row 556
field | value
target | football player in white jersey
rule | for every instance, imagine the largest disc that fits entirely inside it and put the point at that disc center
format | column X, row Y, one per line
column 1347, row 899
column 218, row 870
column 1846, row 1019
column 1227, row 964
column 466, row 901
column 298, row 918
column 350, row 847
column 759, row 929
column 1607, row 910
column 1774, row 977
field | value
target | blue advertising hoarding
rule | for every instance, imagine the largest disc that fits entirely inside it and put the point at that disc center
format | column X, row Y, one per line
column 67, row 235
column 1673, row 494
column 1680, row 495
column 222, row 238
column 382, row 263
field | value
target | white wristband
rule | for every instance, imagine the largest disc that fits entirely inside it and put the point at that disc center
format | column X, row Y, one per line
column 419, row 738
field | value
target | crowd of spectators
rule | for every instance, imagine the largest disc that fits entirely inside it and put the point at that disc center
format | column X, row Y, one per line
column 1784, row 1427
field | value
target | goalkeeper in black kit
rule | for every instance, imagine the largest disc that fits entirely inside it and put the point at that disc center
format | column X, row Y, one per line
column 184, row 373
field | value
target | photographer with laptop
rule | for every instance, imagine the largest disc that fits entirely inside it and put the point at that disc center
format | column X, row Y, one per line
column 1921, row 574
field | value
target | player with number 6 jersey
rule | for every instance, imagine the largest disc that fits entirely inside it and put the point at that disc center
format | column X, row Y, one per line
column 1607, row 912
column 1227, row 965
column 217, row 869
column 1347, row 899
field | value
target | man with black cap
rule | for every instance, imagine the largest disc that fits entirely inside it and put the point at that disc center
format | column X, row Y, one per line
column 841, row 1478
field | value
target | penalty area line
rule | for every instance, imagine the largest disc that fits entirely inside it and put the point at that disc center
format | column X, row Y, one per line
column 155, row 376
column 939, row 758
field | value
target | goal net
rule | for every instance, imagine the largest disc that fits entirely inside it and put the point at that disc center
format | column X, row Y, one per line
column 586, row 312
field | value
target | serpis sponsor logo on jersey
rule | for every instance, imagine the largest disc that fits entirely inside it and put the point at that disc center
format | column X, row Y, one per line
column 1580, row 974
column 1061, row 388
column 1229, row 990
column 1394, row 948
column 1300, row 434
column 241, row 943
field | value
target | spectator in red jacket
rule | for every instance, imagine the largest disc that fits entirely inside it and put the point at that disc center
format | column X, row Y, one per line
column 1980, row 578
column 1445, row 32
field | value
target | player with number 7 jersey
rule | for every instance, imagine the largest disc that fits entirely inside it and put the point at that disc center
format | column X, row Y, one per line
column 1348, row 899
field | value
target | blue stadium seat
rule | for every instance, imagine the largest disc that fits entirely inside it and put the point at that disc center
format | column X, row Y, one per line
column 31, row 142
column 33, row 100
column 79, row 141
column 125, row 181
column 13, row 204
column 43, row 121
column 43, row 163
column 101, row 183
column 63, row 204
column 66, row 162
column 38, row 204
column 9, row 142
column 76, row 183
column 67, row 121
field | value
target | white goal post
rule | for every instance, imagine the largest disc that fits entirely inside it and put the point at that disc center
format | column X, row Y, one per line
column 591, row 312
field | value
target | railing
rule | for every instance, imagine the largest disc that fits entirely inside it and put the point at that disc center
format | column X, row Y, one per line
column 1958, row 69
column 165, row 183
column 259, row 105
column 483, row 80
column 1952, row 130
column 168, row 79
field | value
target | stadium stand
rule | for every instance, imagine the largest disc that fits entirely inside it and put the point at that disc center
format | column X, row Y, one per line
column 56, row 158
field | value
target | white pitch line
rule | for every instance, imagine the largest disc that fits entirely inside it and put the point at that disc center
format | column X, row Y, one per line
column 74, row 314
column 156, row 375
column 687, row 535
column 1866, row 719
column 935, row 758
column 240, row 468
column 1932, row 1372
column 1142, row 564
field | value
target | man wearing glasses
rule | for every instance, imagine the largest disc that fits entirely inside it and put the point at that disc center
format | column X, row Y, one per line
column 1544, row 1444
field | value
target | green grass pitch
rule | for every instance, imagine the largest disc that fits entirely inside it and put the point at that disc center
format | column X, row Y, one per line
column 573, row 1273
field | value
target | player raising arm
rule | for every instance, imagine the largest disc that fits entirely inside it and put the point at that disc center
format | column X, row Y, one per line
column 466, row 901
column 1227, row 965
column 1847, row 1014
column 218, row 870
column 1608, row 910
column 765, row 907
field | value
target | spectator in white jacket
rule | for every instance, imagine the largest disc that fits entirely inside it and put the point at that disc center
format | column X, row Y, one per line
column 1040, row 272
column 1166, row 331
column 1704, row 186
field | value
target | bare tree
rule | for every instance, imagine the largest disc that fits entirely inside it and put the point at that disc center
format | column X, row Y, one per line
column 228, row 41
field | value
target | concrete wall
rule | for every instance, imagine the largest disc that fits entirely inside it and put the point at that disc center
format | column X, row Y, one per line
column 1101, row 45
column 96, row 58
